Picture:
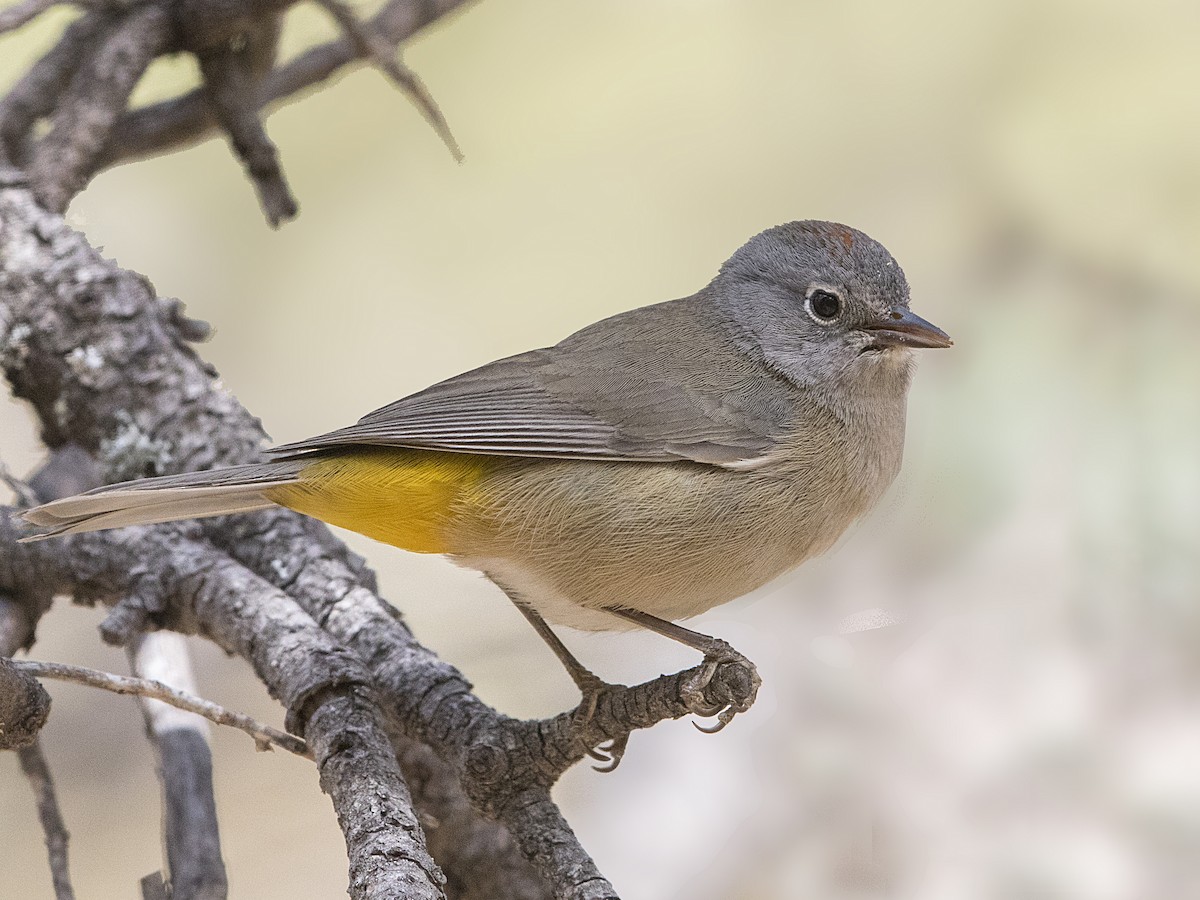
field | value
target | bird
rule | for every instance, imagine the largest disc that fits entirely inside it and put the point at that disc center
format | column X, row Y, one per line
column 643, row 470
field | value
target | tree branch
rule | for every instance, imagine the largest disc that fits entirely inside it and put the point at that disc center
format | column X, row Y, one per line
column 231, row 87
column 34, row 765
column 16, row 631
column 19, row 14
column 65, row 159
column 36, row 94
column 371, row 45
column 191, row 834
column 24, row 706
column 323, row 687
column 479, row 857
column 84, row 83
column 187, row 119
column 16, row 628
column 264, row 735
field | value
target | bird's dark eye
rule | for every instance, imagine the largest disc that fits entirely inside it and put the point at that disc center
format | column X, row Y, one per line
column 824, row 305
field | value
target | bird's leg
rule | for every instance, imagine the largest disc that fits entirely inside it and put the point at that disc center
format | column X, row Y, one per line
column 716, row 653
column 590, row 685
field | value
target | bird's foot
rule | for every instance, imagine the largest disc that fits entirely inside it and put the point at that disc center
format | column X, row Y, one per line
column 593, row 688
column 734, row 694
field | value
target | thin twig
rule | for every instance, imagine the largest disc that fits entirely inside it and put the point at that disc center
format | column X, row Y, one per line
column 232, row 90
column 15, row 16
column 16, row 631
column 33, row 764
column 382, row 53
column 21, row 490
column 264, row 735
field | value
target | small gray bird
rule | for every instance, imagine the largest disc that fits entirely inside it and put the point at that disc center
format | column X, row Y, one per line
column 647, row 468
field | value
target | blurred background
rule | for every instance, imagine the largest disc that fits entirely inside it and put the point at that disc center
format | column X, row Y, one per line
column 991, row 688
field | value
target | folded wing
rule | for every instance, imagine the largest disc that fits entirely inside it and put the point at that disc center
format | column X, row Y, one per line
column 642, row 386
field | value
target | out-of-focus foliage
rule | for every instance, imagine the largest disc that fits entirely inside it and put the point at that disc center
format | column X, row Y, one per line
column 1024, row 723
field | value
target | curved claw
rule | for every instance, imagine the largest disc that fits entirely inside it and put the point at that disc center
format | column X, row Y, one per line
column 713, row 729
column 616, row 752
column 693, row 692
column 705, row 710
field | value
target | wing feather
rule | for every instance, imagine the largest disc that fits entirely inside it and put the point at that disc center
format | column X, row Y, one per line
column 641, row 386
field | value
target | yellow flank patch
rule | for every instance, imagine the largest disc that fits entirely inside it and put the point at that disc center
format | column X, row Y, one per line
column 401, row 497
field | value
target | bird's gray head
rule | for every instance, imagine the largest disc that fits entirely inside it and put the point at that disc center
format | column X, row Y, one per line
column 825, row 306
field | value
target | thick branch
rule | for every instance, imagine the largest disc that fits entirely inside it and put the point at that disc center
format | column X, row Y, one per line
column 322, row 685
column 36, row 94
column 502, row 763
column 67, row 156
column 479, row 857
column 24, row 706
column 16, row 626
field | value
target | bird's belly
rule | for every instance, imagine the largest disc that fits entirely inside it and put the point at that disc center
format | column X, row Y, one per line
column 673, row 540
column 564, row 601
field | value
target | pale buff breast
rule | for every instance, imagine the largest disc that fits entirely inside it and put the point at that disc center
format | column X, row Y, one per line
column 670, row 539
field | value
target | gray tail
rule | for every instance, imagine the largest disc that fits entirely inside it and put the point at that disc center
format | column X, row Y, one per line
column 190, row 496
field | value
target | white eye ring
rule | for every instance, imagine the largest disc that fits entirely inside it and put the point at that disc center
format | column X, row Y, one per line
column 823, row 305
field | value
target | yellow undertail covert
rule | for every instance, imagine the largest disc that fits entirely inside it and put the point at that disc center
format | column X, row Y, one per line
column 401, row 497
